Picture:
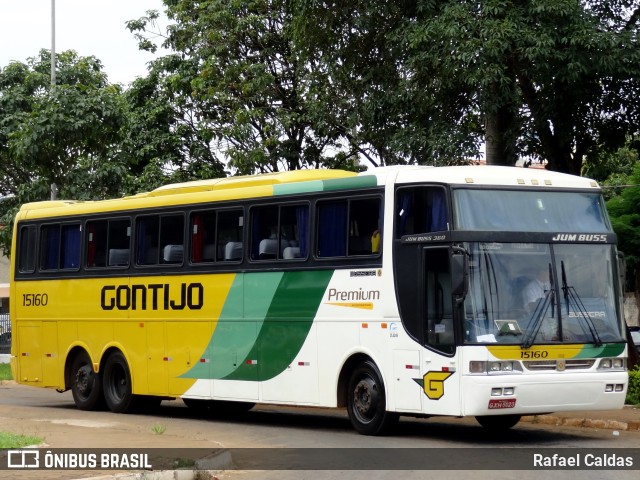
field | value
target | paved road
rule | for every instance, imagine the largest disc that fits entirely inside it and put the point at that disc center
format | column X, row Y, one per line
column 53, row 416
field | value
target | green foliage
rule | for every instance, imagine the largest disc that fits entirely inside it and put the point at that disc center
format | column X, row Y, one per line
column 554, row 78
column 624, row 210
column 5, row 372
column 68, row 134
column 240, row 92
column 633, row 392
column 14, row 440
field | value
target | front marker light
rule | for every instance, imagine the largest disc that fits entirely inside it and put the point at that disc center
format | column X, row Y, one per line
column 477, row 367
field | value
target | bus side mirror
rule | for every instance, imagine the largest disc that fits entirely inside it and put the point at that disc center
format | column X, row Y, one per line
column 459, row 273
column 622, row 271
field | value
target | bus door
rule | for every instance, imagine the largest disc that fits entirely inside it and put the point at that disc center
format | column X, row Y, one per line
column 440, row 306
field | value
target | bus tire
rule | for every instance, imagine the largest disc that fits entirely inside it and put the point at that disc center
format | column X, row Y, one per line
column 86, row 385
column 498, row 422
column 116, row 383
column 366, row 401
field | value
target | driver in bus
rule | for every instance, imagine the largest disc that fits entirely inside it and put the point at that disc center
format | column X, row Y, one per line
column 536, row 289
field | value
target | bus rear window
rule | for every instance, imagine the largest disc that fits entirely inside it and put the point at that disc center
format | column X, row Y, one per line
column 27, row 249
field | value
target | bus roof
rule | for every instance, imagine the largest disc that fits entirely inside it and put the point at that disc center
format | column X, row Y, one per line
column 306, row 181
column 486, row 175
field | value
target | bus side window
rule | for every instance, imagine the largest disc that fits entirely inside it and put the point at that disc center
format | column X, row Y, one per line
column 172, row 239
column 349, row 227
column 49, row 247
column 364, row 222
column 203, row 228
column 229, row 225
column 279, row 232
column 70, row 246
column 332, row 228
column 421, row 210
column 27, row 249
column 160, row 239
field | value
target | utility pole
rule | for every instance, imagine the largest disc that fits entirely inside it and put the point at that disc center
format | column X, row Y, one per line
column 54, row 187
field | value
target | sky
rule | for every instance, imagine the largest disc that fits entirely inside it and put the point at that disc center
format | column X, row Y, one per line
column 90, row 27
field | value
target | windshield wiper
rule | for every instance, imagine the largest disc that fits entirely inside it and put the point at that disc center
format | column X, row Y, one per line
column 538, row 313
column 536, row 319
column 572, row 299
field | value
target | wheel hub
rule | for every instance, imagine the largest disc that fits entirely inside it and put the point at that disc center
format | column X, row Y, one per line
column 365, row 396
column 84, row 380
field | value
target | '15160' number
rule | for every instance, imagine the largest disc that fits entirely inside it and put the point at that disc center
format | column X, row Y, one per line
column 35, row 299
column 534, row 354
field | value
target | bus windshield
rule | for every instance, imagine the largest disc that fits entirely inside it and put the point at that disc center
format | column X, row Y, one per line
column 532, row 293
column 530, row 211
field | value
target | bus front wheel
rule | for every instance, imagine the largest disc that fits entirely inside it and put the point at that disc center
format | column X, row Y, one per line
column 366, row 401
column 498, row 422
column 117, row 384
column 86, row 385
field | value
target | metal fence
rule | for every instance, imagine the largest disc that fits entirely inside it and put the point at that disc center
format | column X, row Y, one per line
column 5, row 333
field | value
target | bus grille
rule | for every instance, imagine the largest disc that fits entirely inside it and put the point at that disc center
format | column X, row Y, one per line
column 538, row 365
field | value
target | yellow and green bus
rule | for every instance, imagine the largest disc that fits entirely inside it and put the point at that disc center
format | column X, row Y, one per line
column 491, row 292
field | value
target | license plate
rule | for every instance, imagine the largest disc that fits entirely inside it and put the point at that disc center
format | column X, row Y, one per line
column 502, row 403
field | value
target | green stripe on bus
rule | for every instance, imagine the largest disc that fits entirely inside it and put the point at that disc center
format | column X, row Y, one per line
column 300, row 187
column 287, row 325
column 365, row 181
column 606, row 350
column 325, row 185
column 237, row 328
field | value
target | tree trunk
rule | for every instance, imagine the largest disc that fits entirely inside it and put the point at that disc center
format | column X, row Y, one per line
column 500, row 149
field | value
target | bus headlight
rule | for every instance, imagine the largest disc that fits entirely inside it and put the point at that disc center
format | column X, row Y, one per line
column 494, row 367
column 612, row 364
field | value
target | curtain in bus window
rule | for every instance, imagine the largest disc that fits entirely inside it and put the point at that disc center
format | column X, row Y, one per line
column 50, row 247
column 332, row 230
column 71, row 246
column 438, row 211
column 302, row 219
column 197, row 239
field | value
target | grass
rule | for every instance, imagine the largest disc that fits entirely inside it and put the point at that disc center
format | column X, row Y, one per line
column 158, row 428
column 5, row 371
column 14, row 440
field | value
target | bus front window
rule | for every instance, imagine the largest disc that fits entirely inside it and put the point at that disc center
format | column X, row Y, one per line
column 536, row 294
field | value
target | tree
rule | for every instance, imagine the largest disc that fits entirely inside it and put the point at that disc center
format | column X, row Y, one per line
column 550, row 79
column 396, row 102
column 68, row 134
column 237, row 81
column 624, row 211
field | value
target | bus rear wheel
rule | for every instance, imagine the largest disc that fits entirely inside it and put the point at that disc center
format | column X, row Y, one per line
column 117, row 384
column 498, row 422
column 366, row 401
column 86, row 385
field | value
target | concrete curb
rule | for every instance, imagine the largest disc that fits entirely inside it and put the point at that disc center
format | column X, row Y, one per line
column 207, row 468
column 582, row 422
